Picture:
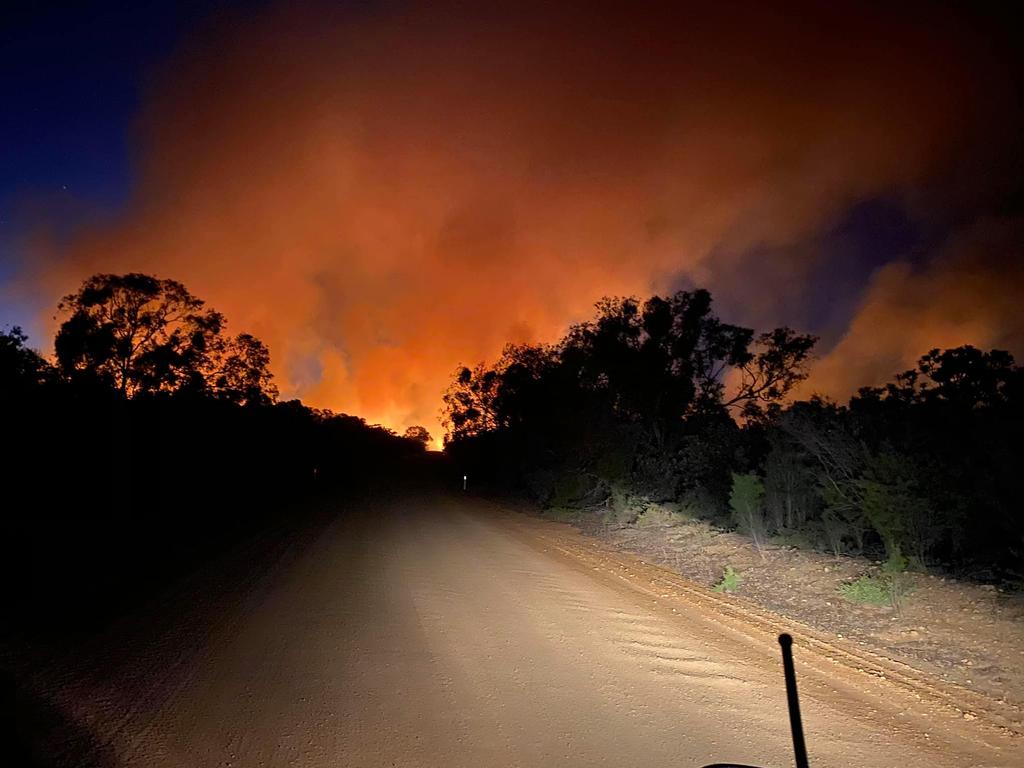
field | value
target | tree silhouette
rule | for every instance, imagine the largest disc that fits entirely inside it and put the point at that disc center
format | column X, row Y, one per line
column 469, row 402
column 21, row 368
column 965, row 375
column 141, row 334
column 649, row 364
column 419, row 434
column 239, row 370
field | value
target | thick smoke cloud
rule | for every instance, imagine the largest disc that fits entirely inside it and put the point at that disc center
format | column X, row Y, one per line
column 971, row 294
column 382, row 195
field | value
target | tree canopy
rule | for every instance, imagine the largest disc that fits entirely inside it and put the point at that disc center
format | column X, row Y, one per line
column 21, row 368
column 418, row 434
column 652, row 364
column 141, row 334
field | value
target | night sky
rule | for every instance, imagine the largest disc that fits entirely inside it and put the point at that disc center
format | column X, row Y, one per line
column 73, row 77
column 384, row 191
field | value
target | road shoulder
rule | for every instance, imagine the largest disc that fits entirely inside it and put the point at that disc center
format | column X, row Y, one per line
column 870, row 682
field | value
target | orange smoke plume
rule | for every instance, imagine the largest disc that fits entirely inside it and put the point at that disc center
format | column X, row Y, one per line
column 383, row 195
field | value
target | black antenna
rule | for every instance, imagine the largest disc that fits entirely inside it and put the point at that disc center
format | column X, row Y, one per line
column 799, row 748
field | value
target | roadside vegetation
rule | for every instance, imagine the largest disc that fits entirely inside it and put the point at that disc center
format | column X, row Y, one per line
column 871, row 590
column 661, row 405
column 730, row 581
column 151, row 440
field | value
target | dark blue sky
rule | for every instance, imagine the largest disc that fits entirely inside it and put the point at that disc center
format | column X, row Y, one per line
column 72, row 76
column 72, row 79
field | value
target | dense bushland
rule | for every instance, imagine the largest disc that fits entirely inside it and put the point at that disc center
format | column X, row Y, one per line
column 154, row 441
column 661, row 404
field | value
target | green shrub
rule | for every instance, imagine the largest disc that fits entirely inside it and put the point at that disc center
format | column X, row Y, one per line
column 540, row 484
column 890, row 587
column 568, row 488
column 868, row 590
column 799, row 539
column 657, row 515
column 747, row 504
column 895, row 573
column 562, row 514
column 612, row 465
column 699, row 504
column 623, row 507
column 730, row 581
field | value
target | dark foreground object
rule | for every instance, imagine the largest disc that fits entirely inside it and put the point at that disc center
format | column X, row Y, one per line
column 799, row 747
column 796, row 726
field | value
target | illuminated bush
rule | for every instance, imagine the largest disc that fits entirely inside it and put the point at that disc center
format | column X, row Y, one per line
column 868, row 590
column 730, row 581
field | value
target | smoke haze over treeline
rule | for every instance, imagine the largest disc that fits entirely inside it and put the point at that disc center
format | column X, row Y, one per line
column 383, row 193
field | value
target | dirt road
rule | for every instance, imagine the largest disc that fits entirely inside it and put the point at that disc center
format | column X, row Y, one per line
column 445, row 632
